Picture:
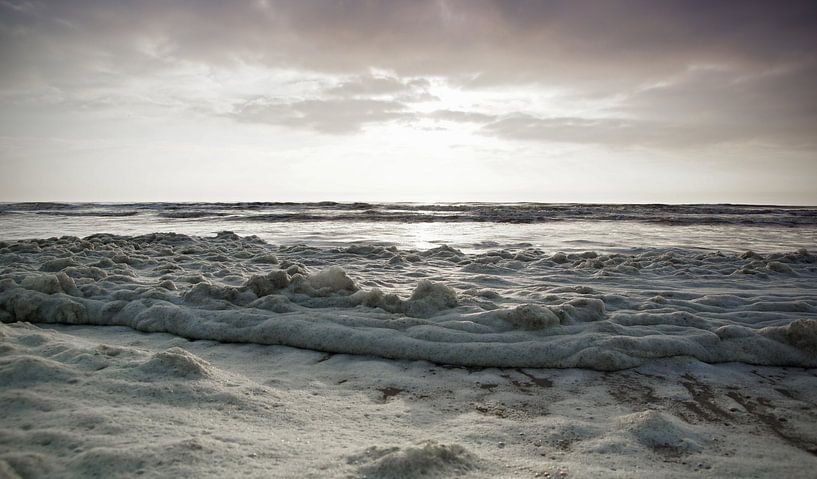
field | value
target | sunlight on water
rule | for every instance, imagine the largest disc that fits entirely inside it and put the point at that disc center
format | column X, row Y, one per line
column 615, row 228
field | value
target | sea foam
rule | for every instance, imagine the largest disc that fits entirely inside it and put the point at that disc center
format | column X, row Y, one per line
column 522, row 308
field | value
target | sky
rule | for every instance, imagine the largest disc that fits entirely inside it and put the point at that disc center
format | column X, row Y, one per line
column 409, row 100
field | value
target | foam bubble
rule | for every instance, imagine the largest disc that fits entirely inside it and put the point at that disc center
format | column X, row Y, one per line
column 326, row 282
column 801, row 333
column 531, row 316
column 429, row 298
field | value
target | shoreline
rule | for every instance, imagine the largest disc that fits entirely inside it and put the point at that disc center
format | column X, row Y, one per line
column 94, row 398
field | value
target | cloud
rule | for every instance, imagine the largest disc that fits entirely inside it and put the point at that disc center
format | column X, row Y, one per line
column 616, row 132
column 610, row 132
column 332, row 116
column 775, row 106
column 462, row 116
column 699, row 106
column 369, row 86
column 341, row 106
column 502, row 41
column 640, row 51
column 375, row 85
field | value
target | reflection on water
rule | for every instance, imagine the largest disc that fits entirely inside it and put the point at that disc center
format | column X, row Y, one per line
column 572, row 235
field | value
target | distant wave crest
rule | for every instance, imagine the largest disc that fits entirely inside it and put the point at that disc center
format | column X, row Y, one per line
column 521, row 213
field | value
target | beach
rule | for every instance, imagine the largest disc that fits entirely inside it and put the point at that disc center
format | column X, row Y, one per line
column 471, row 345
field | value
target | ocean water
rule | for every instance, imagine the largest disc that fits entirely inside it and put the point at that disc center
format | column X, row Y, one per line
column 467, row 226
column 526, row 285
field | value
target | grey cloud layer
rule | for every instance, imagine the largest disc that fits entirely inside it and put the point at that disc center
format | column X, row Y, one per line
column 503, row 40
column 643, row 52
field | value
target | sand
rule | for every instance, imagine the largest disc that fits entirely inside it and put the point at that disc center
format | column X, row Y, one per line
column 88, row 401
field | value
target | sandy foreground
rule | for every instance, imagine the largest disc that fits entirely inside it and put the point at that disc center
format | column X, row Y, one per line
column 90, row 401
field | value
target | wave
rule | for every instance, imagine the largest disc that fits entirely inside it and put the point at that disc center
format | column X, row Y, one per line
column 522, row 213
column 191, row 214
column 101, row 214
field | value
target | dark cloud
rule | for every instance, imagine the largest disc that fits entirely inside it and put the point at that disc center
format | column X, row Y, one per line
column 496, row 41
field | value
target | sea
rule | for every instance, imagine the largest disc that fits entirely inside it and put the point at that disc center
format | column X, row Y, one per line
column 468, row 226
column 597, row 286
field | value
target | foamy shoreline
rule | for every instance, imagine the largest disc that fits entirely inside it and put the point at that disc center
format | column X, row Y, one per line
column 502, row 308
column 709, row 360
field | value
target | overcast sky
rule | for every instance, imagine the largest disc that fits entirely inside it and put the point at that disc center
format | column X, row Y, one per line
column 443, row 100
